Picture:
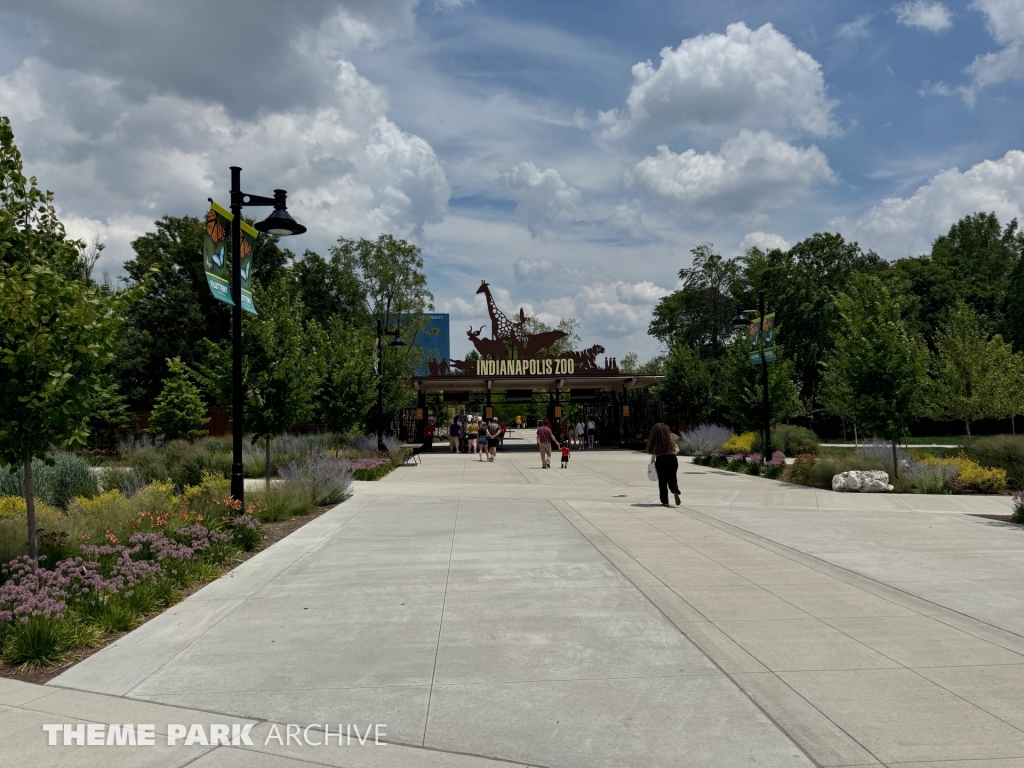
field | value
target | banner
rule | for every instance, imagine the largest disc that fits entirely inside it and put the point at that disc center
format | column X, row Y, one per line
column 769, row 356
column 755, row 330
column 216, row 255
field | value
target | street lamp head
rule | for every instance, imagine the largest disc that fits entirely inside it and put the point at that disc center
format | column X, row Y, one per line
column 740, row 319
column 280, row 223
column 397, row 341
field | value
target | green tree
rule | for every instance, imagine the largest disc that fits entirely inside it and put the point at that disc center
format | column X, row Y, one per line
column 282, row 365
column 877, row 361
column 330, row 289
column 389, row 274
column 349, row 382
column 179, row 412
column 744, row 393
column 699, row 313
column 972, row 375
column 56, row 334
column 570, row 326
column 687, row 392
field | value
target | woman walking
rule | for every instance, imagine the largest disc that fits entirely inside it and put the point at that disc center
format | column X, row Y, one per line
column 472, row 430
column 662, row 448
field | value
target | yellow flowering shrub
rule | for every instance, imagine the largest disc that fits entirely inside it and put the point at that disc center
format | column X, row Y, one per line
column 744, row 443
column 979, row 478
column 14, row 506
column 108, row 500
column 156, row 497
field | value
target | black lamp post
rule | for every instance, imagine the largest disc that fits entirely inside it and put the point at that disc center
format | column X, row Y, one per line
column 766, row 405
column 395, row 342
column 277, row 223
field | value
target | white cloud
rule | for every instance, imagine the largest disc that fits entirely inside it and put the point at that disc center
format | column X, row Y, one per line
column 1005, row 22
column 118, row 161
column 544, row 197
column 899, row 226
column 608, row 310
column 766, row 241
column 752, row 171
column 626, row 222
column 744, row 78
column 854, row 30
column 932, row 16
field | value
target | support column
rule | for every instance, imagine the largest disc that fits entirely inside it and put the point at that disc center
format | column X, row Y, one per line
column 421, row 414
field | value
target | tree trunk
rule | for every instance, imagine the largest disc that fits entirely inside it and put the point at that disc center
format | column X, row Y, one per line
column 266, row 472
column 1013, row 425
column 30, row 505
column 855, row 443
column 895, row 461
column 967, row 424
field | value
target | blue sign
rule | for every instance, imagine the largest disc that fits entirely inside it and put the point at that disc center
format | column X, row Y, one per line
column 436, row 342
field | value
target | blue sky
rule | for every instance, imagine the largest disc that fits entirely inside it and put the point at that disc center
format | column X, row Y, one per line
column 570, row 153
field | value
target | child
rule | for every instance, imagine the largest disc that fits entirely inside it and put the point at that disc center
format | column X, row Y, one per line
column 565, row 454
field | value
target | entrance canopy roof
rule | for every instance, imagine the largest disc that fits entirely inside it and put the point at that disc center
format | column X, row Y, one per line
column 550, row 383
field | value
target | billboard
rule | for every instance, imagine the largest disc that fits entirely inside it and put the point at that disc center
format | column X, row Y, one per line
column 435, row 340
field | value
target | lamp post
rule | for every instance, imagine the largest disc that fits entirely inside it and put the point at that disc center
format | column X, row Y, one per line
column 766, row 406
column 395, row 342
column 277, row 223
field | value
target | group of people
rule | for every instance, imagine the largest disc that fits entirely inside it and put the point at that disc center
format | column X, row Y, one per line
column 546, row 439
column 581, row 434
column 477, row 436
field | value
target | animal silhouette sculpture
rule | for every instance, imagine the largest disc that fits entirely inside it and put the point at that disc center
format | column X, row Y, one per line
column 585, row 359
column 494, row 348
column 501, row 326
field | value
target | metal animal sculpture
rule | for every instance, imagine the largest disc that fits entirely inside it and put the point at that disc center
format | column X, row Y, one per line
column 501, row 326
column 495, row 348
column 585, row 359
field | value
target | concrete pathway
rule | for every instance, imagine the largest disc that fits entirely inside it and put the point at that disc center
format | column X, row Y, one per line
column 492, row 612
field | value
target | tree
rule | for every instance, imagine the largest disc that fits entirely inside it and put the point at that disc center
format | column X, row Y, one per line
column 876, row 361
column 348, row 387
column 330, row 290
column 972, row 375
column 56, row 334
column 743, row 389
column 179, row 412
column 390, row 275
column 699, row 313
column 282, row 365
column 570, row 326
column 687, row 391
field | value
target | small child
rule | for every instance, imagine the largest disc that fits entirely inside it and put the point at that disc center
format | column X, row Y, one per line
column 565, row 454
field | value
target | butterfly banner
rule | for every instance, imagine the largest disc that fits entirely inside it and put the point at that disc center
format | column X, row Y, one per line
column 217, row 252
column 756, row 328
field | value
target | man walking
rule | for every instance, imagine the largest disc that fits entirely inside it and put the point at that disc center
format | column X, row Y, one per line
column 544, row 439
column 454, row 431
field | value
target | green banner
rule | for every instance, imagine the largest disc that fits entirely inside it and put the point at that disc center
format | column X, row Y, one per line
column 755, row 329
column 769, row 356
column 217, row 252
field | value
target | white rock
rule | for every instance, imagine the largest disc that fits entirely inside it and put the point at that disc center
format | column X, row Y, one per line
column 863, row 482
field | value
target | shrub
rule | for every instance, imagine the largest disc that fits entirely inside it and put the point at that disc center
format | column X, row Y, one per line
column 801, row 469
column 68, row 475
column 205, row 497
column 246, row 530
column 327, row 479
column 187, row 463
column 791, row 440
column 149, row 462
column 743, row 443
column 703, row 439
column 773, row 471
column 1003, row 451
column 1017, row 516
column 736, row 465
column 179, row 411
column 978, row 478
column 127, row 480
column 931, row 474
column 284, row 501
column 108, row 500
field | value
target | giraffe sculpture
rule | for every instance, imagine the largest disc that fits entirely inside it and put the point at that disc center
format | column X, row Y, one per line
column 501, row 326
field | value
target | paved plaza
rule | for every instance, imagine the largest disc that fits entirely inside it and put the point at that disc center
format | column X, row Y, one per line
column 501, row 614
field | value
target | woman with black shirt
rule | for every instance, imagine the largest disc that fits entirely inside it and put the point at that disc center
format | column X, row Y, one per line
column 662, row 448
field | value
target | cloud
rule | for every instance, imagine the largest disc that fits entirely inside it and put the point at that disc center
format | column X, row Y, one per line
column 1005, row 22
column 752, row 171
column 854, row 30
column 608, row 310
column 898, row 226
column 626, row 222
column 543, row 196
column 932, row 16
column 710, row 83
column 116, row 161
column 766, row 241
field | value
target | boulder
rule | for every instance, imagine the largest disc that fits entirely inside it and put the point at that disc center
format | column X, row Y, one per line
column 862, row 482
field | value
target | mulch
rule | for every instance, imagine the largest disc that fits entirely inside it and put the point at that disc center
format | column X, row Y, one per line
column 273, row 532
column 1000, row 518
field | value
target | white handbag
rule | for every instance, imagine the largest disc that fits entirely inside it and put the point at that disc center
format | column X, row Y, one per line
column 652, row 471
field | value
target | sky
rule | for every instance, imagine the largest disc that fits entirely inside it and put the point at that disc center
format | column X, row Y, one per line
column 569, row 153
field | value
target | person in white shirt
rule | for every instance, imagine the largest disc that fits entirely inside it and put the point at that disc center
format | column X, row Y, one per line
column 591, row 428
column 581, row 430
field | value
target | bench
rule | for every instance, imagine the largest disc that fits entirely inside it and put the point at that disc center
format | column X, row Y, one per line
column 412, row 451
